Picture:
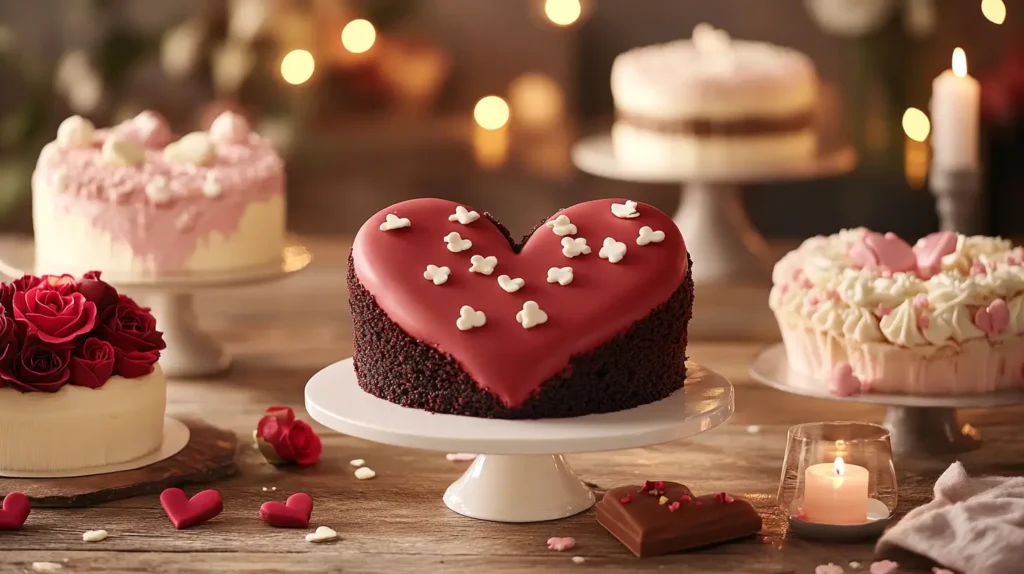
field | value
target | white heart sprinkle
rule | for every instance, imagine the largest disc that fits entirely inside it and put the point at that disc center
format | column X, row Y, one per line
column 392, row 222
column 578, row 560
column 753, row 429
column 357, row 462
column 509, row 284
column 211, row 186
column 46, row 566
column 194, row 148
column 439, row 275
column 625, row 210
column 157, row 190
column 460, row 457
column 75, row 132
column 531, row 315
column 464, row 216
column 562, row 226
column 122, row 151
column 322, row 534
column 648, row 235
column 229, row 127
column 612, row 250
column 94, row 535
column 560, row 275
column 470, row 318
column 456, row 243
column 365, row 473
column 484, row 265
column 574, row 246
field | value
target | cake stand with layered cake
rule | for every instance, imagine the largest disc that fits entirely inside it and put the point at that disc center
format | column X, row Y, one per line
column 712, row 114
column 162, row 217
column 925, row 329
column 572, row 340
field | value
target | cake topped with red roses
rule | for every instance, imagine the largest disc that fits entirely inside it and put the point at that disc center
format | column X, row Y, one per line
column 588, row 314
column 80, row 384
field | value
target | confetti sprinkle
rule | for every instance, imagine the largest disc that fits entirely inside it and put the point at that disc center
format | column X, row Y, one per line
column 322, row 534
column 94, row 535
column 829, row 568
column 663, row 500
column 578, row 560
column 884, row 567
column 626, row 499
column 674, row 506
column 265, row 489
column 560, row 544
column 365, row 473
column 754, row 429
column 357, row 462
column 855, row 565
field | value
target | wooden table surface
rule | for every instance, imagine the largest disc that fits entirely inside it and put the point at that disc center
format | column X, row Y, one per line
column 280, row 334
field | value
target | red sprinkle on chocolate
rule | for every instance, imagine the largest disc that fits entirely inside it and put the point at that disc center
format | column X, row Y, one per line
column 660, row 485
column 673, row 507
column 648, row 485
column 626, row 499
column 720, row 498
column 698, row 503
column 685, row 498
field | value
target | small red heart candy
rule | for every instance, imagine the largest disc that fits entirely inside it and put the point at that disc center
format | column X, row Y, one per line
column 15, row 511
column 185, row 512
column 294, row 513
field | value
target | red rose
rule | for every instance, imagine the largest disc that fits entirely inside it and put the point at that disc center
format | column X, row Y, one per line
column 53, row 317
column 98, row 292
column 129, row 327
column 283, row 439
column 135, row 364
column 37, row 366
column 7, row 290
column 92, row 363
column 8, row 341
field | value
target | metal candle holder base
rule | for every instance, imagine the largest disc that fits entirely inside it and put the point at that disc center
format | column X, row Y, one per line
column 956, row 200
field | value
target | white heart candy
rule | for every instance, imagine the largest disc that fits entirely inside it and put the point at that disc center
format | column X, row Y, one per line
column 509, row 284
column 75, row 132
column 531, row 315
column 612, row 250
column 483, row 265
column 322, row 534
column 464, row 216
column 456, row 243
column 122, row 151
column 648, row 235
column 392, row 222
column 470, row 318
column 94, row 535
column 230, row 127
column 194, row 148
column 560, row 275
column 625, row 210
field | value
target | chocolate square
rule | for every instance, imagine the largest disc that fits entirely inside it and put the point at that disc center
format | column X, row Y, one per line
column 650, row 526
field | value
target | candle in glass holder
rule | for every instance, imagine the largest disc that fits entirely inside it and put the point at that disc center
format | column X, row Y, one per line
column 836, row 493
column 955, row 107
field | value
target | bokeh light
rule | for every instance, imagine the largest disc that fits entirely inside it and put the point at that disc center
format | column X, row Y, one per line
column 563, row 12
column 916, row 124
column 297, row 67
column 358, row 36
column 994, row 10
column 491, row 112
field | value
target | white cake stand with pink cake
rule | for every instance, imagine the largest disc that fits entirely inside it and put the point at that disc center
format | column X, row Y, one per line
column 925, row 329
column 162, row 216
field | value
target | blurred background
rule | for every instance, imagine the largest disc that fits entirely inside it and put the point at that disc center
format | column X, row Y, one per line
column 480, row 101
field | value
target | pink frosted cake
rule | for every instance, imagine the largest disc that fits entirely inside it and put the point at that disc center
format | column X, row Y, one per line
column 135, row 201
column 861, row 311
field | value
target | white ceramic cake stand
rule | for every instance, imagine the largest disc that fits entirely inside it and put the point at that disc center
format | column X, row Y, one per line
column 711, row 213
column 918, row 426
column 190, row 352
column 520, row 479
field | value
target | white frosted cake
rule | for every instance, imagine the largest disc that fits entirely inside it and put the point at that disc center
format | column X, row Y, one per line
column 861, row 311
column 712, row 102
column 134, row 201
column 80, row 383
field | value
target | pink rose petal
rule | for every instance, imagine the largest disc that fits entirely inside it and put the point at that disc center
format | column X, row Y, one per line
column 561, row 544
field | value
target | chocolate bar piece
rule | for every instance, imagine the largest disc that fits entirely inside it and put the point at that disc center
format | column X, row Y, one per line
column 663, row 517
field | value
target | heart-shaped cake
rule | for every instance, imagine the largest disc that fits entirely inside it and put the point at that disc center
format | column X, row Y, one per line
column 587, row 315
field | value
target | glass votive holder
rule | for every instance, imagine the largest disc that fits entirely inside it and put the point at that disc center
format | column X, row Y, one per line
column 838, row 481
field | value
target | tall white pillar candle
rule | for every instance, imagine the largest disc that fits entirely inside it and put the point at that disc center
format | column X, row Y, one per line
column 955, row 110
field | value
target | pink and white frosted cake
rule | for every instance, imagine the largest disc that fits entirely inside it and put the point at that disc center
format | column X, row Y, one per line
column 862, row 311
column 133, row 200
column 711, row 102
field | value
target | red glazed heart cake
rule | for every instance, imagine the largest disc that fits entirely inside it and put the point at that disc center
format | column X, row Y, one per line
column 588, row 314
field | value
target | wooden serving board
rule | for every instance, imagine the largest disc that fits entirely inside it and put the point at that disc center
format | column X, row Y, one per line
column 209, row 456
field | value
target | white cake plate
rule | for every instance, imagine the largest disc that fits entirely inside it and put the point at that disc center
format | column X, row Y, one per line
column 190, row 351
column 520, row 479
column 918, row 426
column 176, row 436
column 711, row 213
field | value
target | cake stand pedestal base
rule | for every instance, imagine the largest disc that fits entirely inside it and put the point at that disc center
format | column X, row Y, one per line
column 521, row 478
column 190, row 351
column 535, row 488
column 919, row 426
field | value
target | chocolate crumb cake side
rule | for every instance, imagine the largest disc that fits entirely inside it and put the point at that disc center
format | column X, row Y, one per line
column 588, row 314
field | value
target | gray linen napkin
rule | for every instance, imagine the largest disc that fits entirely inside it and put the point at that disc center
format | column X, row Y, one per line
column 974, row 525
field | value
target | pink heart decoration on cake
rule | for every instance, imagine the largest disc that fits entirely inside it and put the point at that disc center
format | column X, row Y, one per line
column 931, row 249
column 843, row 382
column 994, row 318
column 15, row 511
column 877, row 251
column 294, row 513
column 600, row 300
column 184, row 511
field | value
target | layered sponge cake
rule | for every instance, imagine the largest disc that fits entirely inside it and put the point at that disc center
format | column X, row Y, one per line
column 588, row 314
column 134, row 200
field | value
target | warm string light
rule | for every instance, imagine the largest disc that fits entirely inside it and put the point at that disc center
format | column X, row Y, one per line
column 959, row 63
column 491, row 113
column 994, row 11
column 358, row 36
column 916, row 124
column 563, row 12
column 297, row 67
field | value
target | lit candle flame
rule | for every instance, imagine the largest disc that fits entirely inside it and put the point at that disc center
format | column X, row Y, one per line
column 959, row 62
column 840, row 466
